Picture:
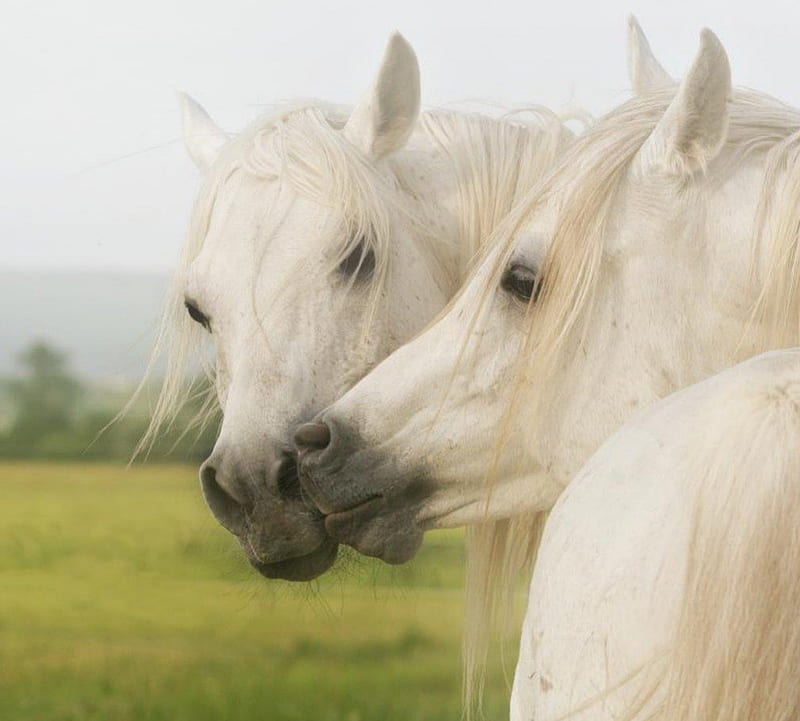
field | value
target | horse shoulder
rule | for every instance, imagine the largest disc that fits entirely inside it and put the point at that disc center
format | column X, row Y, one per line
column 604, row 583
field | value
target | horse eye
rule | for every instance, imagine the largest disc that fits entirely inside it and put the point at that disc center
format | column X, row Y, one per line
column 360, row 262
column 197, row 315
column 522, row 282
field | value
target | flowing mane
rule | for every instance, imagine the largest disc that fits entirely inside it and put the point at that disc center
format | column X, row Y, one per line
column 596, row 166
column 495, row 163
column 736, row 651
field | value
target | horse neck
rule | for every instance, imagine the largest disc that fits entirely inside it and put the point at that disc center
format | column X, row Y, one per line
column 465, row 173
column 681, row 310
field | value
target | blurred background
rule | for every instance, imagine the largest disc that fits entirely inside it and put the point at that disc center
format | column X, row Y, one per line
column 120, row 597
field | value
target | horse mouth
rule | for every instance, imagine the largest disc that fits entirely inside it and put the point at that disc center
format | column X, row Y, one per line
column 374, row 529
column 300, row 568
column 340, row 524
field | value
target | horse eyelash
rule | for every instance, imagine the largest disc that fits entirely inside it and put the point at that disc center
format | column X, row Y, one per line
column 506, row 282
column 360, row 262
column 197, row 315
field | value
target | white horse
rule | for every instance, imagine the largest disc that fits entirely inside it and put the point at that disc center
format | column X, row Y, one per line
column 667, row 585
column 321, row 240
column 664, row 248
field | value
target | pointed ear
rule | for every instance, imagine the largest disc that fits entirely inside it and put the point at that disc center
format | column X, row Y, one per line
column 695, row 125
column 202, row 137
column 645, row 72
column 384, row 118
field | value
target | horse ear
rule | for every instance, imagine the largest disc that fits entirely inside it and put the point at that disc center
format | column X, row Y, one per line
column 384, row 118
column 645, row 72
column 202, row 137
column 695, row 125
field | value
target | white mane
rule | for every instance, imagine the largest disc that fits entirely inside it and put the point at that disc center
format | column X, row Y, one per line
column 595, row 167
column 737, row 647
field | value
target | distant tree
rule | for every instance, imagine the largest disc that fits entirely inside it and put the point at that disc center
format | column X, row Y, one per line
column 54, row 416
column 45, row 398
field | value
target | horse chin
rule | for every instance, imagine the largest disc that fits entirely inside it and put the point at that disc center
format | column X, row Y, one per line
column 301, row 568
column 374, row 530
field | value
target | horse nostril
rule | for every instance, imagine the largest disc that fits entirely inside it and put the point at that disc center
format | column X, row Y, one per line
column 312, row 436
column 226, row 509
column 284, row 473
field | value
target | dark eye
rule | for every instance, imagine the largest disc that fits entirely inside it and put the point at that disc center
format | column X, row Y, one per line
column 197, row 315
column 522, row 282
column 360, row 262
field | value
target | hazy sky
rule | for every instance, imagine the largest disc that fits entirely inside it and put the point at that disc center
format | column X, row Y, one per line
column 93, row 174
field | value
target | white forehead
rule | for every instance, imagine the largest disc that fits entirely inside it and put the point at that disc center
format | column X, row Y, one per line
column 292, row 190
column 263, row 195
column 287, row 197
column 260, row 223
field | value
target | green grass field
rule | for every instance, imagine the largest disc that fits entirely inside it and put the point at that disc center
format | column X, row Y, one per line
column 122, row 600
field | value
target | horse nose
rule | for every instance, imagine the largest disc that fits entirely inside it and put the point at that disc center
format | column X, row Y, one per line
column 312, row 436
column 227, row 508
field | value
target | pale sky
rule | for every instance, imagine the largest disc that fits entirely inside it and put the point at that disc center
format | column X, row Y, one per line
column 93, row 174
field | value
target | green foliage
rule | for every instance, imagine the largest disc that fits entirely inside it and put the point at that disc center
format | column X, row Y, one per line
column 121, row 599
column 45, row 398
column 56, row 416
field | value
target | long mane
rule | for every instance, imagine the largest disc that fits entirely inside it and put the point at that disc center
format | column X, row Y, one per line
column 586, row 184
column 736, row 647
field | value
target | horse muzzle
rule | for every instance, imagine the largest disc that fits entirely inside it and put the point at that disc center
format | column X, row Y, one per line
column 366, row 501
column 263, row 506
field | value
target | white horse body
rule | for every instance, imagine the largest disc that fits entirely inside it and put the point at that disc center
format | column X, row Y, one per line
column 321, row 240
column 671, row 541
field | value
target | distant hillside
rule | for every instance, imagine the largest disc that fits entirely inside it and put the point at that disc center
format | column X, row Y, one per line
column 105, row 321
